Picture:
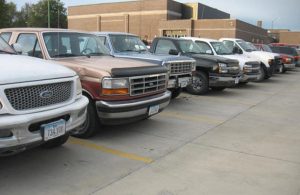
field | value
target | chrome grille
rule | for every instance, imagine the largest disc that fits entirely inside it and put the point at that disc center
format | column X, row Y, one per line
column 32, row 97
column 147, row 84
column 178, row 68
column 233, row 68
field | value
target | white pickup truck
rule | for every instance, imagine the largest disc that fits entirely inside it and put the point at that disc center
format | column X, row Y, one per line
column 249, row 66
column 40, row 102
column 269, row 61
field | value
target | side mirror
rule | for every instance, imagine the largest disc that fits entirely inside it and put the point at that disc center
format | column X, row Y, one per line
column 17, row 47
column 173, row 52
column 237, row 50
column 209, row 52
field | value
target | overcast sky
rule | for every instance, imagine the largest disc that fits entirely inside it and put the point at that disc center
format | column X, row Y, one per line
column 284, row 13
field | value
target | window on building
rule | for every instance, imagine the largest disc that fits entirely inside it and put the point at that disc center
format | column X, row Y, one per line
column 6, row 36
column 164, row 47
column 30, row 45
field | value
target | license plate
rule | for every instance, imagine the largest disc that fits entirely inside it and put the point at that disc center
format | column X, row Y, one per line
column 183, row 82
column 153, row 110
column 54, row 130
column 237, row 79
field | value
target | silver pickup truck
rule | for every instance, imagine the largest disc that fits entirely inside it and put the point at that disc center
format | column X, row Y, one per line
column 125, row 45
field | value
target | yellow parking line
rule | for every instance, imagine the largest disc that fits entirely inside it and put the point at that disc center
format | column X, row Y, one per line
column 195, row 118
column 104, row 149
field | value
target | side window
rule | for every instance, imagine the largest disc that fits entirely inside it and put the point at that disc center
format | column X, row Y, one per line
column 30, row 45
column 229, row 44
column 164, row 46
column 205, row 48
column 6, row 36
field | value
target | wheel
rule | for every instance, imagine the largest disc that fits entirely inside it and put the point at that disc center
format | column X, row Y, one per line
column 262, row 74
column 176, row 92
column 91, row 124
column 218, row 88
column 56, row 141
column 199, row 85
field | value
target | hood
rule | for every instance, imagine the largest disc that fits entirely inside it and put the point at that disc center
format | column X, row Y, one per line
column 264, row 53
column 18, row 68
column 242, row 59
column 98, row 66
column 212, row 58
column 153, row 58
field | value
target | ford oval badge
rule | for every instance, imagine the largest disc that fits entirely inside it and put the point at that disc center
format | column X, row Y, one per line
column 46, row 94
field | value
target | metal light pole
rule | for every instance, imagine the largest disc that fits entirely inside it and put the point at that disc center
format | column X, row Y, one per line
column 48, row 14
column 274, row 21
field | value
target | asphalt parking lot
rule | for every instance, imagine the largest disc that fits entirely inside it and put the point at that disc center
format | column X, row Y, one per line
column 244, row 140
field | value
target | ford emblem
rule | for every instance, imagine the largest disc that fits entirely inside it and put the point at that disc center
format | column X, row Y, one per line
column 46, row 94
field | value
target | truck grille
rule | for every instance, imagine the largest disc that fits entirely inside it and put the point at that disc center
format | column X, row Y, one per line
column 178, row 68
column 32, row 97
column 233, row 68
column 147, row 84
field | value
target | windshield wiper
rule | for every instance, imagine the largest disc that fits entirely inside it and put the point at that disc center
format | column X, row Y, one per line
column 64, row 55
column 7, row 52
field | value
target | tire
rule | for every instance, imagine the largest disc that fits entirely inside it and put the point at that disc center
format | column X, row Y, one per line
column 218, row 88
column 262, row 76
column 56, row 141
column 176, row 92
column 200, row 84
column 91, row 124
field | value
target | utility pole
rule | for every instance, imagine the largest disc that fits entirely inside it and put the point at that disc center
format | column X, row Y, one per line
column 48, row 13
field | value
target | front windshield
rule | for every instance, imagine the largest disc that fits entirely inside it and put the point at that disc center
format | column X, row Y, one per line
column 127, row 43
column 188, row 46
column 246, row 46
column 267, row 48
column 5, row 48
column 220, row 48
column 70, row 44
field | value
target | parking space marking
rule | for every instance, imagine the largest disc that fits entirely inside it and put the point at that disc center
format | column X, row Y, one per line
column 215, row 99
column 195, row 118
column 88, row 144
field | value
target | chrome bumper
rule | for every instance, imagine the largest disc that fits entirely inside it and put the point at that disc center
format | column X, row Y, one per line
column 120, row 112
column 19, row 124
column 179, row 82
column 289, row 66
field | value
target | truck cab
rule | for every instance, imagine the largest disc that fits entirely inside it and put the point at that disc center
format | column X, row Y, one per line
column 249, row 66
column 130, row 46
column 269, row 61
column 212, row 72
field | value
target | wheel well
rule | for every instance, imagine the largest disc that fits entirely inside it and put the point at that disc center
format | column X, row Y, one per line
column 87, row 94
column 203, row 70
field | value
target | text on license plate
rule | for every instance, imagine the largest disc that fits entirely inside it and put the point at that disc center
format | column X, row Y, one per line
column 153, row 110
column 54, row 130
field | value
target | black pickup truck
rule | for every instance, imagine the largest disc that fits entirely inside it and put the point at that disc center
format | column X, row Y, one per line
column 212, row 72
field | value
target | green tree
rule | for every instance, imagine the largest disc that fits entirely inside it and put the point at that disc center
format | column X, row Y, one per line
column 3, row 14
column 38, row 16
column 21, row 18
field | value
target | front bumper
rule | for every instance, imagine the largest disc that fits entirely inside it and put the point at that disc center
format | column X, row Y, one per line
column 249, row 77
column 289, row 66
column 218, row 80
column 121, row 112
column 179, row 81
column 19, row 125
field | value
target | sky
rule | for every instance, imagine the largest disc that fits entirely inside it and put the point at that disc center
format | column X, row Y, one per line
column 285, row 14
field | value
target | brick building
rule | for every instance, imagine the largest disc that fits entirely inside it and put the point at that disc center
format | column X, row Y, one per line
column 151, row 18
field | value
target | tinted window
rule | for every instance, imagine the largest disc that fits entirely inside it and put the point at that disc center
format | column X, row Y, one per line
column 229, row 44
column 30, row 45
column 220, row 48
column 205, row 48
column 6, row 36
column 164, row 47
column 5, row 48
column 285, row 50
column 127, row 43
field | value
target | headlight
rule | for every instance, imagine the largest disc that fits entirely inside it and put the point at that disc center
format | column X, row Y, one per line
column 112, row 86
column 247, row 68
column 193, row 66
column 270, row 61
column 288, row 60
column 223, row 68
column 78, row 87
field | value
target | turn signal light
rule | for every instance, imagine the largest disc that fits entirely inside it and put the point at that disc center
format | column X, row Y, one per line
column 122, row 91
